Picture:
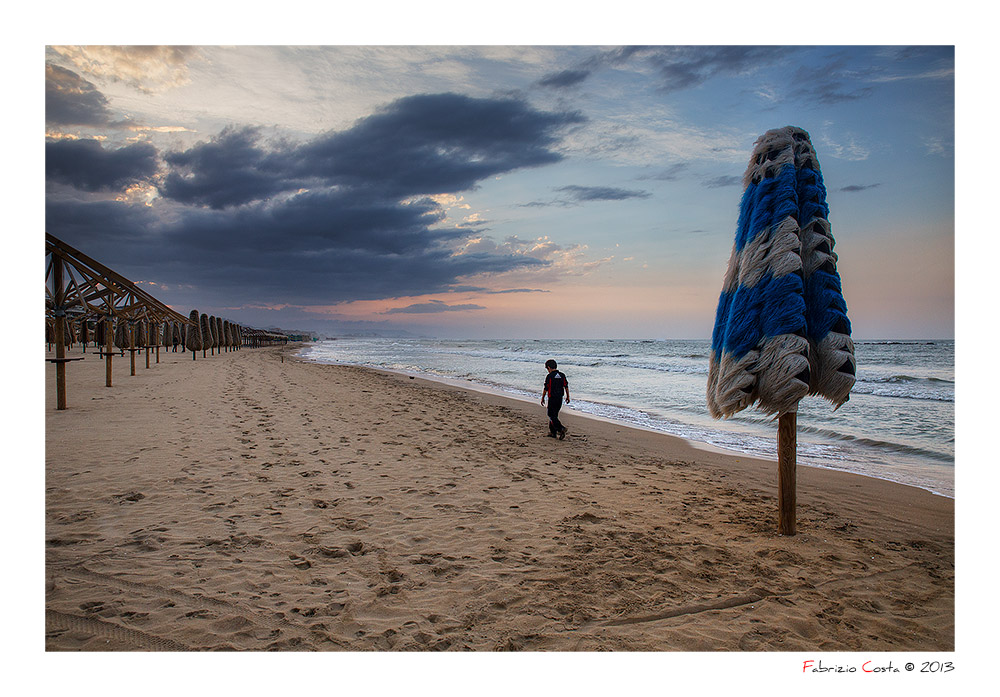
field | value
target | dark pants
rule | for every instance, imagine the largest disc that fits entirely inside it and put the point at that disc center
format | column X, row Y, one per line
column 555, row 404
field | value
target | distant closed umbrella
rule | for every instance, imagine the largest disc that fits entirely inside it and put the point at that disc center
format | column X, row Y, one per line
column 84, row 333
column 121, row 338
column 206, row 334
column 781, row 328
column 211, row 339
column 193, row 336
column 217, row 332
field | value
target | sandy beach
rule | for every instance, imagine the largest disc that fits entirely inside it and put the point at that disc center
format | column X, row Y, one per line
column 253, row 501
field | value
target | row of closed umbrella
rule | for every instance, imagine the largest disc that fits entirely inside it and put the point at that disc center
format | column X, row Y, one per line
column 212, row 333
column 205, row 333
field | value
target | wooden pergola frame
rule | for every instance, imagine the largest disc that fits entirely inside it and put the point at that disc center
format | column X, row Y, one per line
column 78, row 285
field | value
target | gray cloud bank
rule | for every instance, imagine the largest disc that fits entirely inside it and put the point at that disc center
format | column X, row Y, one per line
column 347, row 215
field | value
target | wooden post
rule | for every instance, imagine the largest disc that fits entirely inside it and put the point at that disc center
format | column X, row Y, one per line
column 131, row 344
column 786, row 473
column 60, row 329
column 109, row 331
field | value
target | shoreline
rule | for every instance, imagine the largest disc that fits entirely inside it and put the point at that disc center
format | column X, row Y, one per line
column 708, row 447
column 257, row 501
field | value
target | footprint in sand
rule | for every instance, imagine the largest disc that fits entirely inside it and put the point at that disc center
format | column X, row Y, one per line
column 299, row 562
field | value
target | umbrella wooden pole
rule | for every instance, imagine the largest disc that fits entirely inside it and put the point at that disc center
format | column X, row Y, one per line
column 786, row 473
column 109, row 341
column 60, row 313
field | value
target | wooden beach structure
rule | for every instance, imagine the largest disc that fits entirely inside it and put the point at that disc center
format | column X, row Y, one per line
column 256, row 338
column 80, row 289
column 86, row 300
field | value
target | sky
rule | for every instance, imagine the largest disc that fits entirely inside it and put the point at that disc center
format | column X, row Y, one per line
column 528, row 191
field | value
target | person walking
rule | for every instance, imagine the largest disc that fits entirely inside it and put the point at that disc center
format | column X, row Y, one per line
column 556, row 386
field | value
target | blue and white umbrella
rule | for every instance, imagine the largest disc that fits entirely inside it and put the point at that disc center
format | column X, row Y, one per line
column 781, row 328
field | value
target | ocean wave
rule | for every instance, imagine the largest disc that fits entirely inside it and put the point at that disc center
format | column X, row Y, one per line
column 902, row 343
column 905, row 379
column 902, row 391
column 877, row 443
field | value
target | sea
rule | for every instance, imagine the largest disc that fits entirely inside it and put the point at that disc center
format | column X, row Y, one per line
column 899, row 424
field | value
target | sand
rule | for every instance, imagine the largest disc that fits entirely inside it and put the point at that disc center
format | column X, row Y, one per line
column 253, row 501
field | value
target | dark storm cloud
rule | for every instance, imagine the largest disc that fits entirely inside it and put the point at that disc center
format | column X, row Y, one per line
column 229, row 170
column 87, row 165
column 435, row 143
column 430, row 307
column 672, row 173
column 852, row 188
column 323, row 249
column 683, row 67
column 564, row 78
column 424, row 144
column 96, row 223
column 346, row 216
column 675, row 67
column 575, row 195
column 723, row 181
column 517, row 290
column 315, row 222
column 72, row 101
column 600, row 193
column 825, row 84
column 482, row 289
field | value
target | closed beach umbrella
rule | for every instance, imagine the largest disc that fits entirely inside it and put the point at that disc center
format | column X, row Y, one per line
column 121, row 339
column 781, row 328
column 217, row 330
column 193, row 336
column 210, row 324
column 84, row 334
column 105, row 333
column 210, row 337
column 227, row 334
column 206, row 334
column 178, row 337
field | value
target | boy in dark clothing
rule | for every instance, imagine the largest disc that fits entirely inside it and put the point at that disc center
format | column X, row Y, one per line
column 556, row 385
